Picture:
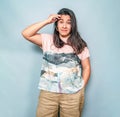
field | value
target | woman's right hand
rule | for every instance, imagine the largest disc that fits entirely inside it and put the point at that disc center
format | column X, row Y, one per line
column 53, row 18
column 30, row 33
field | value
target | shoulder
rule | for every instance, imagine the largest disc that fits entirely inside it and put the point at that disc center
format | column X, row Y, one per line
column 47, row 40
column 46, row 36
column 84, row 54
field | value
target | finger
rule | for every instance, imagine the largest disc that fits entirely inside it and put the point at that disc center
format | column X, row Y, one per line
column 54, row 19
column 58, row 16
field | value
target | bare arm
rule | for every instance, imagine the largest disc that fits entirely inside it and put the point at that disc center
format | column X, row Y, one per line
column 86, row 70
column 30, row 33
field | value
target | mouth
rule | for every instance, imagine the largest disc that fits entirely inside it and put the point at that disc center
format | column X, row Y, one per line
column 64, row 30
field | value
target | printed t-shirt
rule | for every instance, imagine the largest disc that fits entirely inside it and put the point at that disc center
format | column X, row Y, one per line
column 61, row 68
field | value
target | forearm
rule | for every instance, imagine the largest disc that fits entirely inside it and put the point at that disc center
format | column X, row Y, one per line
column 86, row 75
column 30, row 33
column 34, row 28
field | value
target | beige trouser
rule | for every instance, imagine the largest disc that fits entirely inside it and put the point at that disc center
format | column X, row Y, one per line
column 70, row 105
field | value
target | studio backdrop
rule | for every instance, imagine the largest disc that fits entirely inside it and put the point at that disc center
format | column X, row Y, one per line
column 20, row 61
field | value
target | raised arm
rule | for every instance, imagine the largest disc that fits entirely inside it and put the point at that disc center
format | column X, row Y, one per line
column 31, row 32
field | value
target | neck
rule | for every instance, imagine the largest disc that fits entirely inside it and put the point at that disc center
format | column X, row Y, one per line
column 64, row 39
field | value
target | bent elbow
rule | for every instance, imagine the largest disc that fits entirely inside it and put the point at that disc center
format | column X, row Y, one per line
column 24, row 35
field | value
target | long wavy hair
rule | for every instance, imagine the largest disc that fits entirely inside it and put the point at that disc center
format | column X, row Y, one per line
column 75, row 40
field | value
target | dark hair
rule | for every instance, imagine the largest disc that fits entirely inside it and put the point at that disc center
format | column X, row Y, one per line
column 75, row 40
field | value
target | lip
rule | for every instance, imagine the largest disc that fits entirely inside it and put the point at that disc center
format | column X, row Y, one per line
column 63, row 30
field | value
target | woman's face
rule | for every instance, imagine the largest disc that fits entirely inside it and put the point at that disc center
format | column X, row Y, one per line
column 64, row 26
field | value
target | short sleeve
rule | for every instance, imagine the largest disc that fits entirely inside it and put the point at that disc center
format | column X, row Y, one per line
column 46, row 41
column 84, row 54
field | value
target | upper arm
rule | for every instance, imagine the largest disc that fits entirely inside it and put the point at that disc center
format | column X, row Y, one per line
column 36, row 39
column 85, row 63
column 84, row 57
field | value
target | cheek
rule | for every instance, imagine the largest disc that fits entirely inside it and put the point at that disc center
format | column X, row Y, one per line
column 70, row 28
column 59, row 27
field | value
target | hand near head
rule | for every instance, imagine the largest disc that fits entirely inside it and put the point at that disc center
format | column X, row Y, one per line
column 30, row 33
column 53, row 18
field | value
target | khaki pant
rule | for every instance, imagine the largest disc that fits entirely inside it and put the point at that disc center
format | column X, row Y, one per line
column 68, row 105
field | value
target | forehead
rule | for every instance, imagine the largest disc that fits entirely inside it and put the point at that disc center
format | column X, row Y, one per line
column 65, row 17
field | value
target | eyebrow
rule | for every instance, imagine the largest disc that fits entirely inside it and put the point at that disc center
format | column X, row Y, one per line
column 67, row 20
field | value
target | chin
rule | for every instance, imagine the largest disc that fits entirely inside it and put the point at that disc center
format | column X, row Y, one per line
column 64, row 35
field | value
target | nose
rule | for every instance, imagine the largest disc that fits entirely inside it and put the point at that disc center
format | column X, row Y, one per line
column 64, row 25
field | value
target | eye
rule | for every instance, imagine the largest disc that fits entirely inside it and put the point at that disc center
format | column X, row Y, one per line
column 69, row 22
column 61, row 21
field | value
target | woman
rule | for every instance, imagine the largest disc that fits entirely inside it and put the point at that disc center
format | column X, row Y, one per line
column 66, row 66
